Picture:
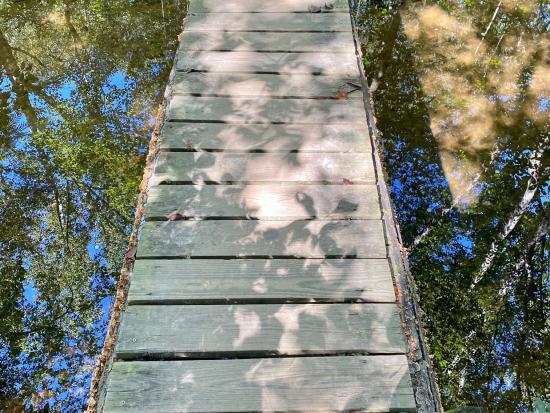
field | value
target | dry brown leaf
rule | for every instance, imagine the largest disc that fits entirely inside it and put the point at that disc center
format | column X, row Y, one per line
column 341, row 94
column 131, row 254
column 176, row 216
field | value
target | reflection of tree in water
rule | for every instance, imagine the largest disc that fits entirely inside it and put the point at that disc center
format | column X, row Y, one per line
column 80, row 84
column 461, row 94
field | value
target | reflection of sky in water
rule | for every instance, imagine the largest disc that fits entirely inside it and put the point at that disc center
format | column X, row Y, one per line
column 78, row 105
column 463, row 123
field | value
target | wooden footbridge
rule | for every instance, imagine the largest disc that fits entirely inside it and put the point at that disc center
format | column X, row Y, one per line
column 262, row 280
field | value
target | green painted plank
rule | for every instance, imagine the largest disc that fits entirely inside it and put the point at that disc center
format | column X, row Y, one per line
column 266, row 110
column 312, row 384
column 335, row 42
column 252, row 238
column 318, row 63
column 269, row 22
column 272, row 202
column 228, row 167
column 206, row 331
column 262, row 6
column 249, row 85
column 266, row 138
column 260, row 281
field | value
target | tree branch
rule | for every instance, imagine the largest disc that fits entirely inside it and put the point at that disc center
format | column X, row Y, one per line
column 488, row 27
column 535, row 163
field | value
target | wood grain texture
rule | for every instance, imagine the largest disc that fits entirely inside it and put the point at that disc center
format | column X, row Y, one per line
column 251, row 85
column 312, row 384
column 206, row 331
column 227, row 167
column 265, row 110
column 286, row 255
column 269, row 22
column 315, row 63
column 257, row 6
column 266, row 138
column 260, row 281
column 335, row 42
column 235, row 238
column 272, row 202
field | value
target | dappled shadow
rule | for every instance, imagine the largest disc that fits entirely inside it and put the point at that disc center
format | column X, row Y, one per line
column 264, row 138
column 214, row 331
column 261, row 280
column 296, row 384
column 263, row 239
column 274, row 201
column 461, row 96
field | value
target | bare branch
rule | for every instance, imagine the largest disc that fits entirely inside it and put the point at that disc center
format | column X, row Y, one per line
column 488, row 27
column 534, row 166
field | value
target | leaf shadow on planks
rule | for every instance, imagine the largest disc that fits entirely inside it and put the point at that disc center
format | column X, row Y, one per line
column 313, row 384
column 306, row 254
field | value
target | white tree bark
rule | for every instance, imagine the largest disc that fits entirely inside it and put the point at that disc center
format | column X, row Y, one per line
column 534, row 167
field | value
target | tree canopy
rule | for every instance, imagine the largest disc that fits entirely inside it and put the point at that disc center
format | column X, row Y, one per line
column 81, row 83
column 461, row 93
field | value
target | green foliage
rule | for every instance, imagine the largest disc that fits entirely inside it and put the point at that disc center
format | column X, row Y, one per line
column 81, row 82
column 465, row 140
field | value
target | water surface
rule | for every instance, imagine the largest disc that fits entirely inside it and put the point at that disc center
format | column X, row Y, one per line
column 80, row 85
column 461, row 92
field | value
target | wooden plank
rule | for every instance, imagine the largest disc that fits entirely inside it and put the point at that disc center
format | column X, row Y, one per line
column 317, row 63
column 266, row 110
column 206, row 331
column 312, row 384
column 271, row 202
column 260, row 281
column 250, row 168
column 269, row 22
column 262, row 6
column 250, row 238
column 266, row 138
column 249, row 85
column 335, row 42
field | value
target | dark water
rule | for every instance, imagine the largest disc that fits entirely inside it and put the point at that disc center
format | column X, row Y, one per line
column 80, row 84
column 461, row 92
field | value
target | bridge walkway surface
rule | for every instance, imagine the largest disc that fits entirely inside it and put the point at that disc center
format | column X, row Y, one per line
column 262, row 280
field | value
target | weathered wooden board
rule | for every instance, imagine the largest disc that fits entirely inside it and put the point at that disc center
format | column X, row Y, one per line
column 229, row 168
column 266, row 138
column 269, row 22
column 316, row 63
column 206, row 331
column 250, row 85
column 271, row 202
column 263, row 6
column 252, row 238
column 312, row 384
column 266, row 110
column 260, row 281
column 335, row 42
